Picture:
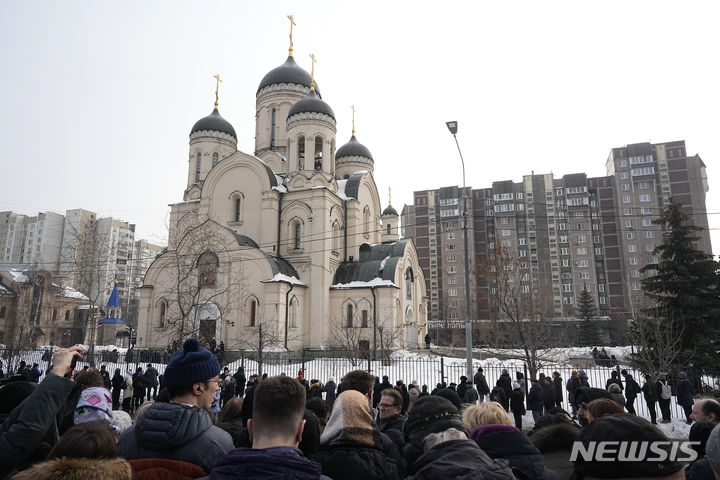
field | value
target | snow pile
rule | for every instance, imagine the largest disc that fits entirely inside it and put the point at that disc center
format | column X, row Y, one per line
column 279, row 277
column 375, row 282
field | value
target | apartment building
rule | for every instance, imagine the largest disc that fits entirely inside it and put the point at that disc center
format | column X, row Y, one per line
column 561, row 234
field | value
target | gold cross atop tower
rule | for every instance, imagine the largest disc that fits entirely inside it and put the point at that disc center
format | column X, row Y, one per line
column 312, row 72
column 389, row 197
column 353, row 110
column 217, row 87
column 292, row 22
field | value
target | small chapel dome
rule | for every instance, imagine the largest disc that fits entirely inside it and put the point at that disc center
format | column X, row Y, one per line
column 288, row 73
column 311, row 104
column 390, row 210
column 353, row 149
column 214, row 122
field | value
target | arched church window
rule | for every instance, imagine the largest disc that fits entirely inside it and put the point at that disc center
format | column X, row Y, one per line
column 297, row 234
column 366, row 221
column 163, row 313
column 273, row 125
column 318, row 153
column 349, row 318
column 389, row 229
column 207, row 269
column 301, row 153
column 409, row 280
column 215, row 159
column 293, row 312
column 197, row 167
column 337, row 237
column 253, row 312
column 238, row 209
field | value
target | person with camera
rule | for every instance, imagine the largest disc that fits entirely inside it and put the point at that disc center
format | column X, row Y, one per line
column 30, row 422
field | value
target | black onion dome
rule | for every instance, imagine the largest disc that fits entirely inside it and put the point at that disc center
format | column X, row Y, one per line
column 289, row 72
column 390, row 211
column 311, row 104
column 215, row 123
column 353, row 149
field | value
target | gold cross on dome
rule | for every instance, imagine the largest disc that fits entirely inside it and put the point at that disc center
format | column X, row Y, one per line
column 312, row 72
column 217, row 88
column 353, row 118
column 292, row 22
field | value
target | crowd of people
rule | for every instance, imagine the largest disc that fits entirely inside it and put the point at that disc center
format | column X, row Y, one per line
column 199, row 420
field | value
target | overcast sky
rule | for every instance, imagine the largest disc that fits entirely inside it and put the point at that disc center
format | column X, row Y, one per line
column 97, row 98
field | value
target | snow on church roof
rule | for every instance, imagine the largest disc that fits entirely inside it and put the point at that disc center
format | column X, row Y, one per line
column 280, row 277
column 72, row 293
column 375, row 282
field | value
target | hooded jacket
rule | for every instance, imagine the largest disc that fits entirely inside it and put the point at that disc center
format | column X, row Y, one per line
column 176, row 432
column 555, row 442
column 459, row 460
column 282, row 463
column 78, row 469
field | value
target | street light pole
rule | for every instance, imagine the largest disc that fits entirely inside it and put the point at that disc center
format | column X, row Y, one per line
column 452, row 126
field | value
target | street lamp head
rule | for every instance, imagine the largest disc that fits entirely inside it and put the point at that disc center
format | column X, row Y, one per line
column 452, row 126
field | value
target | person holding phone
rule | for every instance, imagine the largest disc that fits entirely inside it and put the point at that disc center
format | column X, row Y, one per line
column 30, row 421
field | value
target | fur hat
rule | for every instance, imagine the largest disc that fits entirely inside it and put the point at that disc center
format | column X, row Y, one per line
column 85, row 468
column 190, row 365
column 627, row 428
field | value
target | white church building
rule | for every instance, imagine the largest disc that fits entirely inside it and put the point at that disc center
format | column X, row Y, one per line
column 286, row 247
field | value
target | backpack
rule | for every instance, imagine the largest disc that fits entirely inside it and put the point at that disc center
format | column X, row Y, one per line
column 497, row 395
column 665, row 391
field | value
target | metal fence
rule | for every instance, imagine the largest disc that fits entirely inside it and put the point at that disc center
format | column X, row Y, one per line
column 425, row 369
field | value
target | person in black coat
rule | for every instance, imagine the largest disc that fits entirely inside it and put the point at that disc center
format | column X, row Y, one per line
column 632, row 390
column 535, row 399
column 481, row 384
column 117, row 386
column 505, row 382
column 685, row 396
column 517, row 404
column 558, row 388
column 614, row 378
column 240, row 380
column 498, row 395
column 548, row 394
column 650, row 396
column 330, row 388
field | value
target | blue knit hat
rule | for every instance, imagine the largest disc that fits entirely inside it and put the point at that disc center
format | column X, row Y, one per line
column 190, row 365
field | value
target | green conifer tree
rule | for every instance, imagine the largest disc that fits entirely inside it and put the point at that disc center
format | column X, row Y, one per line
column 683, row 287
